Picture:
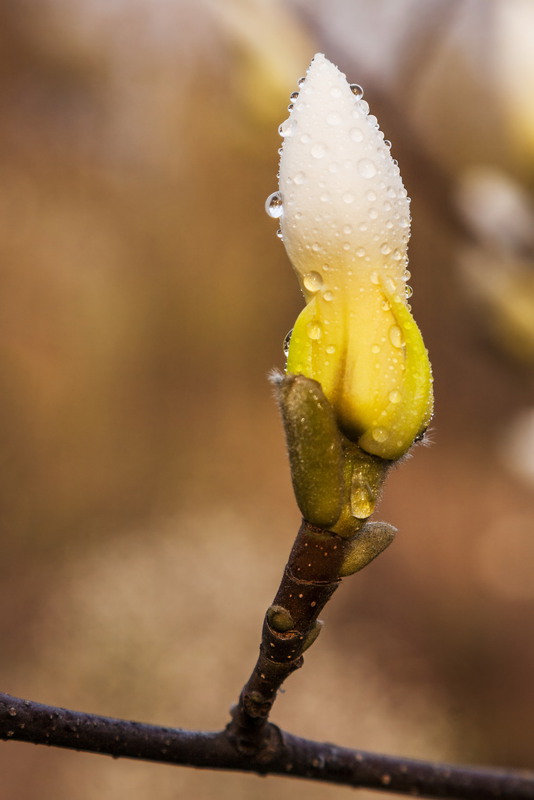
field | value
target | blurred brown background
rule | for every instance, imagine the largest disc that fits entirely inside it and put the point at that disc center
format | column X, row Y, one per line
column 144, row 492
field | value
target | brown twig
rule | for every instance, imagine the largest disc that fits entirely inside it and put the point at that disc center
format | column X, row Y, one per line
column 309, row 580
column 288, row 755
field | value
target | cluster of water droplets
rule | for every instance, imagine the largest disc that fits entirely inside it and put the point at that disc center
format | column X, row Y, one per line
column 367, row 168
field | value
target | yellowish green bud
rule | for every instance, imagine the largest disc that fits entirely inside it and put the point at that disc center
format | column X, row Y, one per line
column 345, row 221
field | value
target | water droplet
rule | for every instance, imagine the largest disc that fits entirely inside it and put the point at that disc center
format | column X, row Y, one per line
column 316, row 247
column 389, row 285
column 395, row 336
column 300, row 178
column 293, row 95
column 274, row 205
column 325, row 197
column 287, row 340
column 287, row 128
column 280, row 150
column 366, row 168
column 406, row 274
column 404, row 222
column 348, row 198
column 371, row 196
column 374, row 278
column 346, row 246
column 356, row 135
column 356, row 90
column 380, row 434
column 385, row 249
column 313, row 281
column 375, row 349
column 408, row 292
column 334, row 118
column 280, row 234
column 300, row 81
column 330, row 349
column 347, row 229
column 318, row 150
column 362, row 503
column 12, row 711
column 373, row 213
column 387, row 143
column 372, row 120
column 360, row 252
column 314, row 330
column 395, row 396
column 290, row 107
column 328, row 296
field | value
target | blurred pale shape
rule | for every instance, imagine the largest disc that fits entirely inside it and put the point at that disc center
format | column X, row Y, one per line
column 517, row 446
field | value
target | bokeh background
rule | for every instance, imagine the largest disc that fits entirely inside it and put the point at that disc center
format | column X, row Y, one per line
column 144, row 492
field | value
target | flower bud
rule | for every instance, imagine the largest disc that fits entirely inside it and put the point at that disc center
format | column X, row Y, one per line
column 345, row 222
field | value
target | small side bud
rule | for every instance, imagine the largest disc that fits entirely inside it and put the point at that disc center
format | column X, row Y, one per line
column 368, row 543
column 280, row 619
column 315, row 449
column 312, row 634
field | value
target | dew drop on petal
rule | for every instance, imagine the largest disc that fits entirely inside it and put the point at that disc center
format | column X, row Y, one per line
column 366, row 168
column 375, row 349
column 380, row 434
column 280, row 234
column 395, row 396
column 408, row 292
column 356, row 135
column 334, row 118
column 313, row 281
column 328, row 296
column 395, row 336
column 314, row 330
column 300, row 178
column 318, row 150
column 274, row 205
column 373, row 277
column 330, row 349
column 356, row 90
column 286, row 342
column 293, row 96
column 287, row 128
column 300, row 81
column 347, row 229
column 360, row 252
column 348, row 198
column 385, row 249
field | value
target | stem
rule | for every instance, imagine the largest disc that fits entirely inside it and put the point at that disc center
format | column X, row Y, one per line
column 310, row 578
column 288, row 755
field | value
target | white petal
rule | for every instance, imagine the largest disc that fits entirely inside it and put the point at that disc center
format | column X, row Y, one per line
column 346, row 212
